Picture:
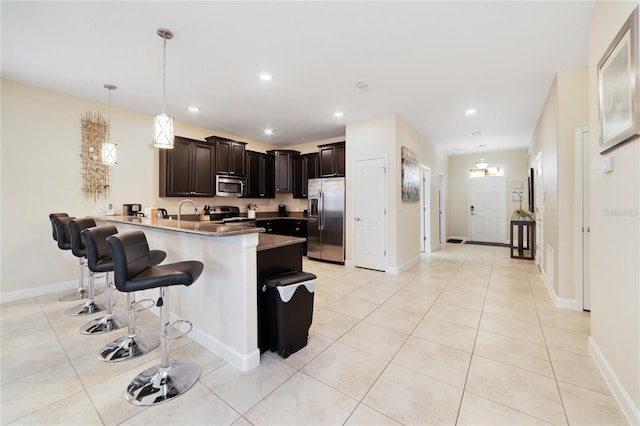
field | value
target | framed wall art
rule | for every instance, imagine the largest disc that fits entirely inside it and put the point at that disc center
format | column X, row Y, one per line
column 410, row 175
column 619, row 88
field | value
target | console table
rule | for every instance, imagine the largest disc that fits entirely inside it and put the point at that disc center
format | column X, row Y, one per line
column 526, row 242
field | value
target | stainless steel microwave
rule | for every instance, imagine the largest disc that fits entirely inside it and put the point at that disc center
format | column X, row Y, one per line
column 230, row 186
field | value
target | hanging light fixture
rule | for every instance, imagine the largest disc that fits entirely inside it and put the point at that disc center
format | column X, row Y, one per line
column 482, row 164
column 163, row 123
column 109, row 150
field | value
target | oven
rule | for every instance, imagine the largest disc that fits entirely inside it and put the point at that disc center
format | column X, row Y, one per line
column 230, row 186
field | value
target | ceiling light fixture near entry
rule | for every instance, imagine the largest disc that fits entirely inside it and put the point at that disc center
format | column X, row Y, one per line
column 482, row 164
column 479, row 133
column 338, row 114
column 193, row 109
column 470, row 111
column 265, row 76
column 268, row 131
column 109, row 150
column 163, row 123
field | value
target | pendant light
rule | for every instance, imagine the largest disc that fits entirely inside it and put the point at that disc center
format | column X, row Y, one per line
column 482, row 164
column 109, row 150
column 163, row 123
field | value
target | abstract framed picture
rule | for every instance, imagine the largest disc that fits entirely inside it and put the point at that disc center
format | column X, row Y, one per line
column 410, row 175
column 619, row 88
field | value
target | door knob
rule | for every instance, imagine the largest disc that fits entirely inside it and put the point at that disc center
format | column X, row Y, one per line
column 357, row 219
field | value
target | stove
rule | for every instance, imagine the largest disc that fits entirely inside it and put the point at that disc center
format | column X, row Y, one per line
column 227, row 214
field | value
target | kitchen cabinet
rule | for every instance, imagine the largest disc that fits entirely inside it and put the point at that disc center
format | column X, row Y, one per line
column 230, row 156
column 289, row 227
column 187, row 169
column 305, row 167
column 283, row 170
column 260, row 175
column 332, row 159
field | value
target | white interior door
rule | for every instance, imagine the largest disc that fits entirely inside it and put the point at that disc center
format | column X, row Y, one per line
column 442, row 227
column 583, row 230
column 487, row 209
column 538, row 206
column 426, row 209
column 370, row 214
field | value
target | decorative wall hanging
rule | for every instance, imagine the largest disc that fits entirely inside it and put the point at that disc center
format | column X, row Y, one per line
column 410, row 175
column 619, row 88
column 95, row 174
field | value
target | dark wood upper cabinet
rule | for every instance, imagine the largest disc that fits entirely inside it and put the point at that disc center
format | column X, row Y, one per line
column 187, row 169
column 260, row 175
column 332, row 159
column 284, row 170
column 230, row 156
column 305, row 167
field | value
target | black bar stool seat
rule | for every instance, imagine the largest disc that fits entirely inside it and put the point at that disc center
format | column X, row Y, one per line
column 133, row 271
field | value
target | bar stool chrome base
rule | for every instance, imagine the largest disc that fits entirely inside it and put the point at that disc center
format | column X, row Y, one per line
column 129, row 347
column 91, row 307
column 160, row 384
column 107, row 323
column 74, row 295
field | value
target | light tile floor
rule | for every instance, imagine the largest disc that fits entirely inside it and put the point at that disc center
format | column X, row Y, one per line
column 467, row 336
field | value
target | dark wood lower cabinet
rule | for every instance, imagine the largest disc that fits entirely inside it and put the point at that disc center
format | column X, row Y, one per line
column 289, row 227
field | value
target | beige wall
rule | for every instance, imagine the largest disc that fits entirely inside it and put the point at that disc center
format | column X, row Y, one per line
column 383, row 137
column 40, row 174
column 615, row 234
column 554, row 138
column 516, row 169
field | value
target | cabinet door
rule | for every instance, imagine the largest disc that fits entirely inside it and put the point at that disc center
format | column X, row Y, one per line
column 325, row 161
column 312, row 167
column 202, row 170
column 223, row 157
column 178, row 174
column 339, row 158
column 268, row 177
column 253, row 174
column 237, row 166
column 283, row 172
column 298, row 164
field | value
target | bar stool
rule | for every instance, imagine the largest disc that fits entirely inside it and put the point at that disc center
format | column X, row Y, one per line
column 59, row 220
column 78, row 248
column 100, row 260
column 133, row 271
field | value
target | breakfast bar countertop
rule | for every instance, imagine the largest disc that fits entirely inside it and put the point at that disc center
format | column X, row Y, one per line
column 271, row 241
column 212, row 229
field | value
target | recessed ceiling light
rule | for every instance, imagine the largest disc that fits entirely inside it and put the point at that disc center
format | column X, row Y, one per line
column 193, row 109
column 268, row 131
column 338, row 114
column 479, row 133
column 265, row 77
column 470, row 111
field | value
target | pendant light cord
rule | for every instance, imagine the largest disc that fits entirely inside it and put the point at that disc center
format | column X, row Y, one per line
column 164, row 74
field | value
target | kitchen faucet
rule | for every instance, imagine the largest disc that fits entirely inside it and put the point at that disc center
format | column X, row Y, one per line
column 180, row 207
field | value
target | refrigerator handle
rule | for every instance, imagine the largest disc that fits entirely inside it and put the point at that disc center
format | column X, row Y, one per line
column 321, row 212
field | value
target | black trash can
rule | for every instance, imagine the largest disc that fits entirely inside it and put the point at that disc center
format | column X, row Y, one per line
column 290, row 301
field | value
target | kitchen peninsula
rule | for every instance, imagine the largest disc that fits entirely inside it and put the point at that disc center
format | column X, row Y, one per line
column 222, row 303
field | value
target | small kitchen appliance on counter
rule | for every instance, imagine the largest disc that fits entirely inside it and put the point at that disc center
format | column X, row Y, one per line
column 282, row 210
column 131, row 209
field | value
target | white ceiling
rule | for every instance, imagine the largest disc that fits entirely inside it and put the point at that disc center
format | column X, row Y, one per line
column 427, row 62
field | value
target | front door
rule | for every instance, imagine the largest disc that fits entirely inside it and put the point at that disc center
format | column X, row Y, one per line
column 370, row 224
column 487, row 209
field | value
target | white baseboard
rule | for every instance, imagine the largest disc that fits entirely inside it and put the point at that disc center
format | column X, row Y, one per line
column 11, row 296
column 349, row 263
column 396, row 270
column 619, row 392
column 558, row 302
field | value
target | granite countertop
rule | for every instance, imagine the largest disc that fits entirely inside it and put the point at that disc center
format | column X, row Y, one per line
column 212, row 229
column 271, row 241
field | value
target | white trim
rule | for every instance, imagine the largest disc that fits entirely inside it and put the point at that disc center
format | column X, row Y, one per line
column 578, row 204
column 395, row 270
column 621, row 395
column 558, row 302
column 11, row 296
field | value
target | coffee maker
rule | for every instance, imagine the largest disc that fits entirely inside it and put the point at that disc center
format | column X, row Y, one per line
column 131, row 209
column 282, row 210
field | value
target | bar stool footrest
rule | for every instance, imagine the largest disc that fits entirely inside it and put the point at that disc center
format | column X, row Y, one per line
column 145, row 308
column 182, row 334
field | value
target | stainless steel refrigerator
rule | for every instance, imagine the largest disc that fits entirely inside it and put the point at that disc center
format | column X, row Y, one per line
column 325, row 227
